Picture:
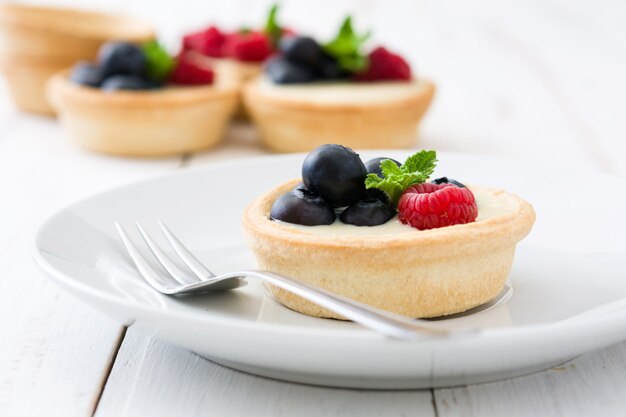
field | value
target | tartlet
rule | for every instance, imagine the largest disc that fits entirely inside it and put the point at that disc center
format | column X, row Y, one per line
column 312, row 93
column 425, row 273
column 168, row 121
column 300, row 117
column 36, row 42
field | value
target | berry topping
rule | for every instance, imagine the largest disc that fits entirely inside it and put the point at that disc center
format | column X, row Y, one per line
column 86, row 73
column 385, row 65
column 446, row 180
column 342, row 57
column 336, row 173
column 302, row 61
column 208, row 42
column 301, row 50
column 428, row 206
column 373, row 165
column 127, row 82
column 190, row 71
column 368, row 213
column 329, row 69
column 272, row 28
column 159, row 63
column 248, row 46
column 302, row 207
column 282, row 71
column 346, row 47
column 121, row 58
column 395, row 179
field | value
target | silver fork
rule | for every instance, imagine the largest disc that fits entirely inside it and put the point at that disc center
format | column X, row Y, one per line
column 202, row 280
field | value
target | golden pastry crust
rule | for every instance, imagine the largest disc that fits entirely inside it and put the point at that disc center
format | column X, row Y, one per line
column 301, row 122
column 428, row 273
column 144, row 123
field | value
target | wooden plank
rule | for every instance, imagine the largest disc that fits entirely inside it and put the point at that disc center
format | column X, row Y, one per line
column 54, row 351
column 155, row 378
column 592, row 385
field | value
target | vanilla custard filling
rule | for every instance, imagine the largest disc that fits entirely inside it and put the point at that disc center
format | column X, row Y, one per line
column 341, row 92
column 488, row 207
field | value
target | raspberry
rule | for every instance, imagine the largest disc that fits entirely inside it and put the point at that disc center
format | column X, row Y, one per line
column 208, row 42
column 251, row 46
column 385, row 65
column 190, row 71
column 429, row 205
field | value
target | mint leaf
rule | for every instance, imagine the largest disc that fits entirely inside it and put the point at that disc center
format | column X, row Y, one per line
column 346, row 47
column 272, row 28
column 415, row 170
column 159, row 64
column 424, row 162
column 389, row 168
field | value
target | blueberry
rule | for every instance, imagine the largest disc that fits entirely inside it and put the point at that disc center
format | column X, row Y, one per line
column 373, row 165
column 121, row 58
column 301, row 49
column 86, row 73
column 300, row 206
column 300, row 186
column 282, row 71
column 368, row 213
column 336, row 173
column 446, row 180
column 329, row 69
column 127, row 82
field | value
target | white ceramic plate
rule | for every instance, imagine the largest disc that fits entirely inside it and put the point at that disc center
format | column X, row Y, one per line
column 568, row 278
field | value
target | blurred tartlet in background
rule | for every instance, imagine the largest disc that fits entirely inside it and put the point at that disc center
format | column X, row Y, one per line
column 312, row 93
column 36, row 42
column 140, row 101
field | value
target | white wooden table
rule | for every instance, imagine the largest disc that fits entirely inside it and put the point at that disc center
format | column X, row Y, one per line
column 542, row 81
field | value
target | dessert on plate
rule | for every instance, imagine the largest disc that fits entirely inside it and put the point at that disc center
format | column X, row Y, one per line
column 381, row 233
column 36, row 42
column 137, row 100
column 312, row 93
column 237, row 54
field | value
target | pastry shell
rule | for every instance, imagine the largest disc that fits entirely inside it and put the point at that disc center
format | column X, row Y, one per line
column 299, row 123
column 428, row 273
column 36, row 42
column 160, row 122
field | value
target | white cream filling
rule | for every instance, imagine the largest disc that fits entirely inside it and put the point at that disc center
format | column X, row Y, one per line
column 341, row 92
column 488, row 207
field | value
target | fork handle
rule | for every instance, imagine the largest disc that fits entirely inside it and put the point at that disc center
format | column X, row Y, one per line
column 389, row 324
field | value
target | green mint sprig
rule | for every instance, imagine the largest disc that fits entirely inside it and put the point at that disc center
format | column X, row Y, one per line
column 346, row 47
column 159, row 64
column 415, row 170
column 272, row 28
